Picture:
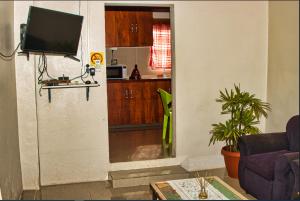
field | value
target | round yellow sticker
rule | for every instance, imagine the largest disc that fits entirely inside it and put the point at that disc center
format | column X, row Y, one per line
column 96, row 58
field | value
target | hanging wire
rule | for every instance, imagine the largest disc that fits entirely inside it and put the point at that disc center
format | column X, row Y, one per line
column 9, row 57
column 83, row 68
column 79, row 12
column 46, row 67
column 42, row 69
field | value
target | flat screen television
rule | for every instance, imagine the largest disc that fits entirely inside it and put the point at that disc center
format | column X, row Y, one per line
column 49, row 31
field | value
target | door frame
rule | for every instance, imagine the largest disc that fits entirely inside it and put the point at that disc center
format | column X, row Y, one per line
column 173, row 73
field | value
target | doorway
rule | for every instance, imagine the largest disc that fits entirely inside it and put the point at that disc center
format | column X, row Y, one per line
column 135, row 110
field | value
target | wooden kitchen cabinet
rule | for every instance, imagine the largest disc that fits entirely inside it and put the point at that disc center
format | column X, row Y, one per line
column 128, row 28
column 144, row 28
column 153, row 109
column 124, row 103
column 151, row 100
column 117, row 104
column 135, row 106
column 135, row 102
column 110, row 29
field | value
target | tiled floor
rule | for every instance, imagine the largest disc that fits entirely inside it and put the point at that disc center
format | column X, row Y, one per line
column 137, row 144
column 103, row 190
column 80, row 191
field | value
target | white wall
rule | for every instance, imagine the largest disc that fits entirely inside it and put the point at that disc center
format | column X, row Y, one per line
column 72, row 132
column 217, row 44
column 283, row 70
column 130, row 56
column 10, row 167
column 26, row 106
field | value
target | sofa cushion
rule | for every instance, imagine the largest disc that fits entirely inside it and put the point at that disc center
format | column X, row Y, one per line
column 263, row 164
column 292, row 131
column 295, row 168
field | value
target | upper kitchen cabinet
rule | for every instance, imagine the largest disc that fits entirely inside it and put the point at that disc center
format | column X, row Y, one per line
column 144, row 28
column 128, row 28
column 110, row 29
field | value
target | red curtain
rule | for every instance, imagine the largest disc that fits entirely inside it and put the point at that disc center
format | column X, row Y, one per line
column 160, row 52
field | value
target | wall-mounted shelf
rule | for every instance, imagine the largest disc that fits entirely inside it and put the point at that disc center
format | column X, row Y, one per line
column 87, row 86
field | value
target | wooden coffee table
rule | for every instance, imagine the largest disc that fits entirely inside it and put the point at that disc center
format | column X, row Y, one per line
column 188, row 189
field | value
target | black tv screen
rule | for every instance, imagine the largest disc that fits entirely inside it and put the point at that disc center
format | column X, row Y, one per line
column 50, row 31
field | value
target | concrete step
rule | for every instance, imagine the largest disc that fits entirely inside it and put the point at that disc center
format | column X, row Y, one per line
column 139, row 177
column 131, row 193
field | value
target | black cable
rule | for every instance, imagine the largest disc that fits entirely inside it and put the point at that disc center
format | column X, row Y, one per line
column 46, row 67
column 43, row 67
column 81, row 75
column 86, row 72
column 79, row 8
column 9, row 56
column 94, row 80
column 85, row 76
column 41, row 70
column 37, row 128
column 81, row 54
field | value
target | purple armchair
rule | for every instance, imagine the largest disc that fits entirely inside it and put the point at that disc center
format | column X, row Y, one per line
column 269, row 163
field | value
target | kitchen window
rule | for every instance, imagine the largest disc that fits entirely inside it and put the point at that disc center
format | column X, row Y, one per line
column 160, row 52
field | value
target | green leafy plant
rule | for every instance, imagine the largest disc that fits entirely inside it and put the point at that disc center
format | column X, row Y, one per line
column 244, row 110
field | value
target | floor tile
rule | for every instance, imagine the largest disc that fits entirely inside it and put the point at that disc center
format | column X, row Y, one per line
column 236, row 185
column 67, row 192
column 220, row 172
column 103, row 190
column 132, row 193
column 137, row 144
column 100, row 190
column 29, row 195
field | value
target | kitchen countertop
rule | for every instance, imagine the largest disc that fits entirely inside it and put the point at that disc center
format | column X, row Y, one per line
column 144, row 78
column 141, row 80
column 155, row 77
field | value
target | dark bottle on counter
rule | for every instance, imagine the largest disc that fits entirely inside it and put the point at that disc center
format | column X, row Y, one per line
column 135, row 75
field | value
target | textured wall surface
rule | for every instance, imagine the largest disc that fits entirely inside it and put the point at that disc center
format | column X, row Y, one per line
column 216, row 44
column 10, row 167
column 72, row 132
column 283, row 68
column 27, row 122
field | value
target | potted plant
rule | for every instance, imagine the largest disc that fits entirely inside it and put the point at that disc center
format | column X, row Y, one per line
column 244, row 112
